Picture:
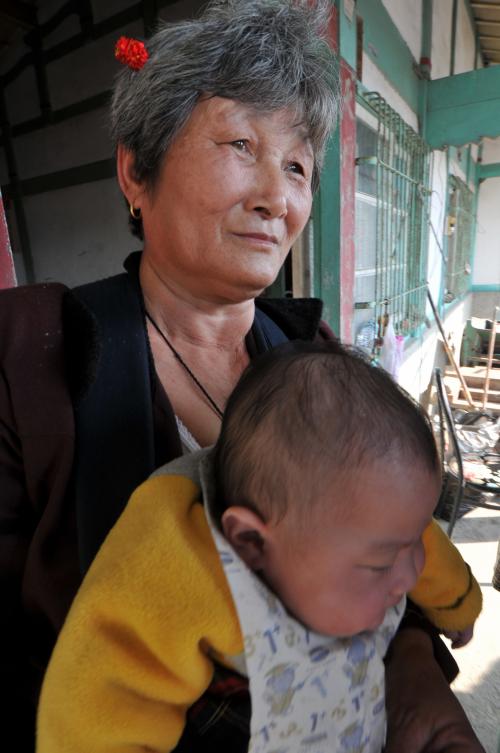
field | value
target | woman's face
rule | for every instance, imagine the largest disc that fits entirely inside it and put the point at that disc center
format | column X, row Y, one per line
column 233, row 194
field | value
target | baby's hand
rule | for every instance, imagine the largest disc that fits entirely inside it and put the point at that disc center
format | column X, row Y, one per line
column 459, row 638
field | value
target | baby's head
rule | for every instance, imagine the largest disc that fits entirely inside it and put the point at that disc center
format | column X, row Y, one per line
column 327, row 475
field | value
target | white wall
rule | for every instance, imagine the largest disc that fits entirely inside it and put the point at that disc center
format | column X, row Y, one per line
column 486, row 268
column 441, row 38
column 78, row 233
column 464, row 43
column 64, row 145
column 407, row 17
column 21, row 97
column 84, row 255
column 374, row 80
column 491, row 151
column 420, row 357
column 426, row 352
column 442, row 13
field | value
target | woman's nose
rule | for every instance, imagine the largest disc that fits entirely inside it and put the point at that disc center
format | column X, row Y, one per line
column 269, row 194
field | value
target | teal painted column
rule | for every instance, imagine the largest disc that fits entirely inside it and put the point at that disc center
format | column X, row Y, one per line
column 444, row 258
column 425, row 64
column 333, row 211
column 326, row 212
column 454, row 20
column 478, row 179
column 474, row 235
column 488, row 171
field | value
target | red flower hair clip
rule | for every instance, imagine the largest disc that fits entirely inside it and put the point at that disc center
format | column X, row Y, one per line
column 131, row 52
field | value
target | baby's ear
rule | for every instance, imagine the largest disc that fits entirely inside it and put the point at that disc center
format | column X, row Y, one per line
column 246, row 532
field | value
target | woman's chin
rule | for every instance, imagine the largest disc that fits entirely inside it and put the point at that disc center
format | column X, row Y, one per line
column 247, row 286
column 258, row 271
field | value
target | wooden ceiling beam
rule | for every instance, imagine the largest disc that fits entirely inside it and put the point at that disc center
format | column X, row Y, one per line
column 486, row 6
column 20, row 13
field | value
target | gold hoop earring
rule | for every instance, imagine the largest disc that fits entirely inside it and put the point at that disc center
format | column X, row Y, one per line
column 135, row 213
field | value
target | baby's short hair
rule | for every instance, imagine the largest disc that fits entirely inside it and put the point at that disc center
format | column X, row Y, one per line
column 305, row 413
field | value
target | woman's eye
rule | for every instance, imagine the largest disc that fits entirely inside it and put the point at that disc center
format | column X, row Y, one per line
column 295, row 167
column 240, row 144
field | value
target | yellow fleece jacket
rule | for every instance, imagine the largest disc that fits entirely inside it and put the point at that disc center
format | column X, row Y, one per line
column 134, row 653
column 447, row 592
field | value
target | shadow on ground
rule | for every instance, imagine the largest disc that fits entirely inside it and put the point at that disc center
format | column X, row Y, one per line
column 482, row 705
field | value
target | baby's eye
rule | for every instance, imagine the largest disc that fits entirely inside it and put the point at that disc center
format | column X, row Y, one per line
column 381, row 569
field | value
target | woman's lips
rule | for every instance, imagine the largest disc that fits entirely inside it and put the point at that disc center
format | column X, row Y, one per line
column 259, row 238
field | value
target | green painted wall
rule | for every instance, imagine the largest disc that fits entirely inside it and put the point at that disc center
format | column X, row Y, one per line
column 485, row 288
column 464, row 108
column 488, row 171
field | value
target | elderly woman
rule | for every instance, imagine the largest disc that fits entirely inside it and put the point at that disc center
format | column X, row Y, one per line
column 219, row 137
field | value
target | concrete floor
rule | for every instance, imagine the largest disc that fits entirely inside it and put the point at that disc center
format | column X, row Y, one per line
column 478, row 685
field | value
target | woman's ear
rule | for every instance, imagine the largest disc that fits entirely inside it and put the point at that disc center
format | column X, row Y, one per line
column 131, row 188
column 247, row 533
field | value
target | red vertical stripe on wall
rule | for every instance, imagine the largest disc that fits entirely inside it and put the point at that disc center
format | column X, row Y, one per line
column 333, row 29
column 7, row 272
column 347, row 185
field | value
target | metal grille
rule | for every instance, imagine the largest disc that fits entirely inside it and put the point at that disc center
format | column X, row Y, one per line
column 460, row 238
column 392, row 189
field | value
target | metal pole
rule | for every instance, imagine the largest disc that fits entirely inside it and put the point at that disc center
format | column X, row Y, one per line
column 491, row 349
column 449, row 351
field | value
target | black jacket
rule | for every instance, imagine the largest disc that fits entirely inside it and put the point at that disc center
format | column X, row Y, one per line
column 82, row 423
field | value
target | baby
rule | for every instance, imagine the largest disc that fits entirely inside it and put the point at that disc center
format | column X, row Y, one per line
column 284, row 553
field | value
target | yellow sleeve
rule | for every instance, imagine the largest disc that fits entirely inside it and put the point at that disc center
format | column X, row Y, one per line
column 447, row 591
column 132, row 656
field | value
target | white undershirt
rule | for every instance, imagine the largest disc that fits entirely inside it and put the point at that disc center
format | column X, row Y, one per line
column 188, row 442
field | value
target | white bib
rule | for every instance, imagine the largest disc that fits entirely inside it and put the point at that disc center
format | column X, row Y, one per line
column 310, row 693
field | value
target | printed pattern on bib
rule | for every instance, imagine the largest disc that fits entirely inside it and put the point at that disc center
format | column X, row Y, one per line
column 310, row 693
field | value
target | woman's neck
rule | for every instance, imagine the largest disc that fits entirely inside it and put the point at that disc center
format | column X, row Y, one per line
column 195, row 321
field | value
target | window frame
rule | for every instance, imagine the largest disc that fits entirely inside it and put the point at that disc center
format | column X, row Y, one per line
column 402, row 165
column 460, row 232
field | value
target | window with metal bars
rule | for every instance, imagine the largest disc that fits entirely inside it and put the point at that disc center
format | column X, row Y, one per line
column 460, row 232
column 392, row 194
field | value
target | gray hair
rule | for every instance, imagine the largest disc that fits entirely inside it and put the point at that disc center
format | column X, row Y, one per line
column 269, row 54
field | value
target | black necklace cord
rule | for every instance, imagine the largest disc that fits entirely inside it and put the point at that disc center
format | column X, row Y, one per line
column 186, row 368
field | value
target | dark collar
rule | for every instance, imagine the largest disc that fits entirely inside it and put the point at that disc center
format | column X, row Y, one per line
column 299, row 318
